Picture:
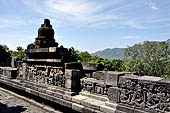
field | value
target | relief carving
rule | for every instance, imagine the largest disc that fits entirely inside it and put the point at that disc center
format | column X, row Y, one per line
column 144, row 95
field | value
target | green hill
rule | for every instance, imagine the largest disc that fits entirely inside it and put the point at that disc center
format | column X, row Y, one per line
column 115, row 53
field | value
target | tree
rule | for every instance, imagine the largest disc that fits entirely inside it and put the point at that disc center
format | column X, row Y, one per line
column 111, row 65
column 20, row 53
column 149, row 58
column 86, row 57
column 6, row 47
column 74, row 55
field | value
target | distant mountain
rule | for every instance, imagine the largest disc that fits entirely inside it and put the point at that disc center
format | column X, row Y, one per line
column 115, row 53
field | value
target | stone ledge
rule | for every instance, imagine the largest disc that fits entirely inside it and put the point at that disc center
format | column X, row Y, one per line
column 97, row 97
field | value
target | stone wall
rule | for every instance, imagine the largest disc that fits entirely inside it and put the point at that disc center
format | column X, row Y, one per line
column 145, row 93
column 120, row 92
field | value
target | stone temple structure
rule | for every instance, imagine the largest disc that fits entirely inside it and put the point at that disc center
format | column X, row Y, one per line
column 45, row 58
column 84, row 87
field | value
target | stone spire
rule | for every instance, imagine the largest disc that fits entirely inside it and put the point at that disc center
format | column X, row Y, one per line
column 46, row 31
column 45, row 37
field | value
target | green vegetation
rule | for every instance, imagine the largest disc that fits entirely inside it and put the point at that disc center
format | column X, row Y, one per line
column 20, row 53
column 149, row 58
column 109, row 65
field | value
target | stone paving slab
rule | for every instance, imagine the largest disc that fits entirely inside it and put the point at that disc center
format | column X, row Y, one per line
column 12, row 104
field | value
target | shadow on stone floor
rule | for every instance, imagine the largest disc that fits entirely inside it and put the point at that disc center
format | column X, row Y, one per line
column 5, row 109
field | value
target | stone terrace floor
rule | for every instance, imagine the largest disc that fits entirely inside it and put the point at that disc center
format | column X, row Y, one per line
column 12, row 104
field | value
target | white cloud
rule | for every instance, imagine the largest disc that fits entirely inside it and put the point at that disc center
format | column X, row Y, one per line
column 130, row 37
column 134, row 24
column 75, row 12
column 152, row 5
column 95, row 13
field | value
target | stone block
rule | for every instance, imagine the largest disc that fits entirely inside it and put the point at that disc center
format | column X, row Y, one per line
column 113, row 93
column 96, row 111
column 52, row 49
column 72, row 74
column 58, row 95
column 106, row 109
column 94, row 96
column 88, row 110
column 71, row 84
column 50, row 98
column 92, row 66
column 150, row 78
column 111, row 105
column 77, row 107
column 28, row 90
column 66, row 103
column 50, row 92
column 92, row 103
column 57, row 100
column 11, row 73
column 67, row 97
column 73, row 65
column 42, row 90
column 99, row 75
column 141, row 111
column 78, row 98
column 124, row 109
column 43, row 95
column 111, row 78
column 36, row 93
column 72, row 80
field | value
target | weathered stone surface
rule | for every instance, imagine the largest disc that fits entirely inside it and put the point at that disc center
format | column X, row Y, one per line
column 150, row 78
column 93, row 86
column 125, row 109
column 10, row 104
column 144, row 93
column 67, row 97
column 58, row 95
column 111, row 105
column 92, row 103
column 78, row 98
column 72, row 74
column 113, row 94
column 72, row 80
column 94, row 96
column 66, row 103
column 106, row 109
column 77, row 107
column 99, row 75
column 111, row 78
column 88, row 110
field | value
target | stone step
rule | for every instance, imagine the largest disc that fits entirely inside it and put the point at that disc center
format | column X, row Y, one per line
column 97, row 97
column 94, row 104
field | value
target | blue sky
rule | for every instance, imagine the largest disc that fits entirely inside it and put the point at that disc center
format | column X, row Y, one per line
column 87, row 25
